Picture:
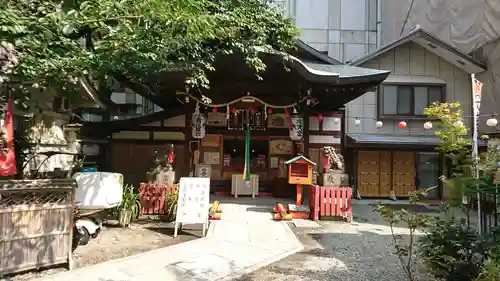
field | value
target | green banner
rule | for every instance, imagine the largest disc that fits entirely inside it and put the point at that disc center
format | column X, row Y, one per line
column 246, row 171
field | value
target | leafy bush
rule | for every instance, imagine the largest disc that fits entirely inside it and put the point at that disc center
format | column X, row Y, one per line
column 171, row 201
column 493, row 242
column 452, row 250
column 129, row 198
column 415, row 222
column 491, row 271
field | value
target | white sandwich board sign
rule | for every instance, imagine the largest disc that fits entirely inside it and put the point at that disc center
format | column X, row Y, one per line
column 193, row 203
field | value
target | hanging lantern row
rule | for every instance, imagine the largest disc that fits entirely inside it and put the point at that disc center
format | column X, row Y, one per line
column 492, row 122
column 253, row 110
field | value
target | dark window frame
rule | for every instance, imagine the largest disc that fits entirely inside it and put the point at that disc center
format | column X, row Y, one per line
column 380, row 101
column 440, row 171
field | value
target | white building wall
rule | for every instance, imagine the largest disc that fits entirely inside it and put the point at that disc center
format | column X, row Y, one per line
column 409, row 60
column 344, row 29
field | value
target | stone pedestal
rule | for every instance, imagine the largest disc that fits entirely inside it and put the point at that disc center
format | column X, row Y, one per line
column 203, row 170
column 335, row 178
column 165, row 177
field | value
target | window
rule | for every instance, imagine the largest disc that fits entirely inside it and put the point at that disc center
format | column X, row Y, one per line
column 428, row 172
column 405, row 100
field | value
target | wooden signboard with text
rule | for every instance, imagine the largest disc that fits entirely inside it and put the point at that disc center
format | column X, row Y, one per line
column 193, row 202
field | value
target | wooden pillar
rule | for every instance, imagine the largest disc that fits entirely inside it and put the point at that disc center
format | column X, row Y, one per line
column 307, row 113
column 188, row 137
column 343, row 133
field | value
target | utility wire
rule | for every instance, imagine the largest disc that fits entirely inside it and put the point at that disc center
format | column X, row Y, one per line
column 407, row 17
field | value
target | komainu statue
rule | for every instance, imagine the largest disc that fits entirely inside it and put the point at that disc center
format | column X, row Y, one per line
column 162, row 166
column 335, row 159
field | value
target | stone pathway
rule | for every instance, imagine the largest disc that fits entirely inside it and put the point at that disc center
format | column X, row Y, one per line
column 245, row 240
column 339, row 251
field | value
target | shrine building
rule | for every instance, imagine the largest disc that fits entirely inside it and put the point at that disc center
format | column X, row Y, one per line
column 295, row 107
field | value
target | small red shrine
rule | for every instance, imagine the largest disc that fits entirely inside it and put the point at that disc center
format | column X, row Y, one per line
column 300, row 170
column 300, row 173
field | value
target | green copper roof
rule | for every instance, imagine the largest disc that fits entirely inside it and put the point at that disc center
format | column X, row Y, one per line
column 331, row 73
column 299, row 157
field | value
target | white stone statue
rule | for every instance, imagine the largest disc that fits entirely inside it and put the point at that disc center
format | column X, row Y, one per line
column 335, row 159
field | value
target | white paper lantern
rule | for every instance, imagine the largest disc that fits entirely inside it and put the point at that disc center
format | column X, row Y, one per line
column 198, row 124
column 336, row 120
column 492, row 122
column 428, row 125
column 379, row 124
column 459, row 123
column 296, row 127
column 357, row 122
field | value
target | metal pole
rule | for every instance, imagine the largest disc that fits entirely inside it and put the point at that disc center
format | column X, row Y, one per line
column 379, row 24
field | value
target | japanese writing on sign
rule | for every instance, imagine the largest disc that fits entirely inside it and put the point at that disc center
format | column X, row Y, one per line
column 203, row 173
column 198, row 129
column 296, row 128
column 194, row 201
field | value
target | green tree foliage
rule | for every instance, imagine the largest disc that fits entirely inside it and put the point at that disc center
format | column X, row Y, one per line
column 55, row 43
column 450, row 129
column 456, row 146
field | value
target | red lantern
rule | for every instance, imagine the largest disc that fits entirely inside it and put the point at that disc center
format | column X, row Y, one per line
column 170, row 157
column 233, row 110
column 326, row 162
column 214, row 109
column 269, row 111
column 320, row 117
column 402, row 124
column 252, row 110
column 286, row 112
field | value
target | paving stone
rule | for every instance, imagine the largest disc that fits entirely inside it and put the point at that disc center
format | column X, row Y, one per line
column 247, row 255
column 305, row 223
column 210, row 266
column 93, row 275
column 169, row 273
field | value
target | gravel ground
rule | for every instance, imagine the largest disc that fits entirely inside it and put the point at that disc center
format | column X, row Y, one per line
column 360, row 251
column 116, row 242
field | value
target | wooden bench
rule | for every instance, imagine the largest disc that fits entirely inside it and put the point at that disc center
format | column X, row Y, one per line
column 331, row 201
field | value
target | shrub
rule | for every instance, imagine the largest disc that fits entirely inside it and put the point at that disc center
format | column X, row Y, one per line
column 491, row 271
column 452, row 250
column 171, row 201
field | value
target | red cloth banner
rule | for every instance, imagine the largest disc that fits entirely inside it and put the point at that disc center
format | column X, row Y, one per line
column 7, row 155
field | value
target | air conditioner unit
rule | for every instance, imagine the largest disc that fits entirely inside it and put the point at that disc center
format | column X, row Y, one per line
column 61, row 104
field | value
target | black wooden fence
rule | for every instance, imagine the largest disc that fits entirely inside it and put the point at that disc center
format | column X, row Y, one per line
column 489, row 198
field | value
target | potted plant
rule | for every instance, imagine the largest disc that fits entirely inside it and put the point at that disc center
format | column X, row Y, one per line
column 128, row 205
column 171, row 201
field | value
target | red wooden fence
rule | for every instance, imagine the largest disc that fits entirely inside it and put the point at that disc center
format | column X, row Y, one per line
column 327, row 201
column 152, row 197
